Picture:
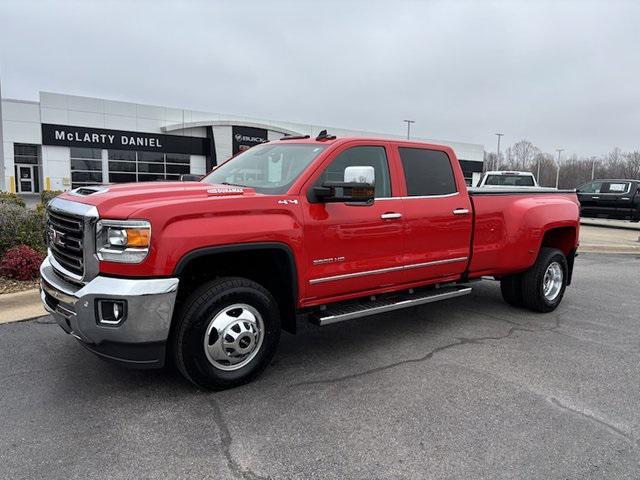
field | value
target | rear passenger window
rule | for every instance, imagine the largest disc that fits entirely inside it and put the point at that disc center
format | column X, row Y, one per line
column 427, row 172
column 593, row 187
column 615, row 187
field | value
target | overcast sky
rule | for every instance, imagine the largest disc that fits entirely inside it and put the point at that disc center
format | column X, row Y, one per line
column 560, row 74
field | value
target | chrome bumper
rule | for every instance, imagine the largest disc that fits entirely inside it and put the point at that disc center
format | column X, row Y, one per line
column 139, row 340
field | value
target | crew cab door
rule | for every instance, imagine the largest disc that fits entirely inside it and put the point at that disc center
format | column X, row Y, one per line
column 438, row 215
column 588, row 196
column 616, row 199
column 353, row 248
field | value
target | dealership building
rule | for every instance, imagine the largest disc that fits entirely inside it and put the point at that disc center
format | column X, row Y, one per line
column 66, row 141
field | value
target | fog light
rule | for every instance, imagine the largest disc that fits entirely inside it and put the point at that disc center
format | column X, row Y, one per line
column 111, row 312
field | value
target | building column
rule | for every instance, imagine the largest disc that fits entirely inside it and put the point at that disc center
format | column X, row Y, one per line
column 211, row 158
column 105, row 166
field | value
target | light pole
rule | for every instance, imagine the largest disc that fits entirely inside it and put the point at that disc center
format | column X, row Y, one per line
column 1, row 148
column 498, row 151
column 559, row 150
column 593, row 168
column 409, row 122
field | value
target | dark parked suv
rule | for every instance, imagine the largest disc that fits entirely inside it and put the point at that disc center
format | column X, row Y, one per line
column 619, row 199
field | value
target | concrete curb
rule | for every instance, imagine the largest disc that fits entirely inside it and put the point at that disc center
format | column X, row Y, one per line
column 604, row 223
column 25, row 305
column 609, row 249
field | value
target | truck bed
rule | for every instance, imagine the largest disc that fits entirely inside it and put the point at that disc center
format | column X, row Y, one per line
column 507, row 223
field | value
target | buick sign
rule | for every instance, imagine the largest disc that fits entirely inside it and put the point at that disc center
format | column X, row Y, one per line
column 246, row 137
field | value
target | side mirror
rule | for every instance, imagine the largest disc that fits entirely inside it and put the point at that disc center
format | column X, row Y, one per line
column 365, row 175
column 187, row 177
column 358, row 188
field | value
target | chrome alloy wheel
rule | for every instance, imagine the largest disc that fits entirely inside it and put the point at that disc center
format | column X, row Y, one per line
column 552, row 281
column 234, row 337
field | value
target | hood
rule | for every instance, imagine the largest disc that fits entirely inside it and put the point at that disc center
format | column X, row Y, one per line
column 122, row 200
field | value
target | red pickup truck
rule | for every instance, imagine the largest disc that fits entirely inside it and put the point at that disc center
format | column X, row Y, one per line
column 208, row 273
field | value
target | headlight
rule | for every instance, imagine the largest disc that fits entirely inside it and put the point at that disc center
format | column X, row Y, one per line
column 125, row 241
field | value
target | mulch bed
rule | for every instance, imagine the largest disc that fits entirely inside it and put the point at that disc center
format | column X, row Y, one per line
column 8, row 285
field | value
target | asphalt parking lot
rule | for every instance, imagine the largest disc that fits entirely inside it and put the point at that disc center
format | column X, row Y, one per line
column 468, row 388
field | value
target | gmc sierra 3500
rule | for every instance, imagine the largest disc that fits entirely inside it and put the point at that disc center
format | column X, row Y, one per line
column 208, row 273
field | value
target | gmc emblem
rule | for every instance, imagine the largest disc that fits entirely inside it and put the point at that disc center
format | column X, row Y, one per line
column 56, row 237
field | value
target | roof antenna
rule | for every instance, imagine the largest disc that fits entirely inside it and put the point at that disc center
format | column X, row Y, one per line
column 323, row 135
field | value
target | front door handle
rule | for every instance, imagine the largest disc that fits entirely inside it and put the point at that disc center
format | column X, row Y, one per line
column 390, row 216
column 461, row 211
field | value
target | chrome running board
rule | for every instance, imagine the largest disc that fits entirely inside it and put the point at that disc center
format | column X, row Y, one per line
column 373, row 306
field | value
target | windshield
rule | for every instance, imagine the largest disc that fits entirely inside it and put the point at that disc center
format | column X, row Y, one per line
column 269, row 168
column 510, row 180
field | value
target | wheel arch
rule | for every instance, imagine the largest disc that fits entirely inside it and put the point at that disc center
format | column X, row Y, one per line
column 565, row 239
column 246, row 260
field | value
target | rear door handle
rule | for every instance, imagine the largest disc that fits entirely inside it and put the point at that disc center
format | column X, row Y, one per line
column 595, row 198
column 390, row 216
column 461, row 211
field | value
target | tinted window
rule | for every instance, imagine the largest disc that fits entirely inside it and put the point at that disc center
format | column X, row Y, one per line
column 427, row 172
column 510, row 180
column 593, row 187
column 615, row 187
column 364, row 156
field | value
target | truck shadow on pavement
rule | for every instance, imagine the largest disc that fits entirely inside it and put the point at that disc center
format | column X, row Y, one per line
column 353, row 348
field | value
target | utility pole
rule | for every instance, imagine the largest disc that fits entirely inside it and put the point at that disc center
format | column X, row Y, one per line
column 538, row 174
column 593, row 168
column 559, row 150
column 498, row 152
column 409, row 122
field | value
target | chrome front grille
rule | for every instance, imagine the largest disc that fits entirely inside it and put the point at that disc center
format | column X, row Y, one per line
column 65, row 238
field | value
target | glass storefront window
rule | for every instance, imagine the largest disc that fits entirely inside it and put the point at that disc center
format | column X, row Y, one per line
column 127, row 155
column 178, row 158
column 23, row 153
column 130, row 166
column 86, row 166
column 151, row 157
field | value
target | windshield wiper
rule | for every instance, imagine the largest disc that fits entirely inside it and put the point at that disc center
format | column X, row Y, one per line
column 232, row 184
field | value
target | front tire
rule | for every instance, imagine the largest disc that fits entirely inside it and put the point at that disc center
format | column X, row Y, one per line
column 543, row 285
column 227, row 334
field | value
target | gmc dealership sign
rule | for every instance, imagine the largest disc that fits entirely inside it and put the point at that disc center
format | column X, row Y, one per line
column 71, row 136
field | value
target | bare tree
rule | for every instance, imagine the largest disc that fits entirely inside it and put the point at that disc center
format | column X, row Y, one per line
column 523, row 153
column 632, row 165
column 574, row 170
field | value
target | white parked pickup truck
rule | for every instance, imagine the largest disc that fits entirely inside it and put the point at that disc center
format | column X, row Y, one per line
column 507, row 179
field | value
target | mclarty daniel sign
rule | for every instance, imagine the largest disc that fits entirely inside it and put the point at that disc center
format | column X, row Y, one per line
column 72, row 136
